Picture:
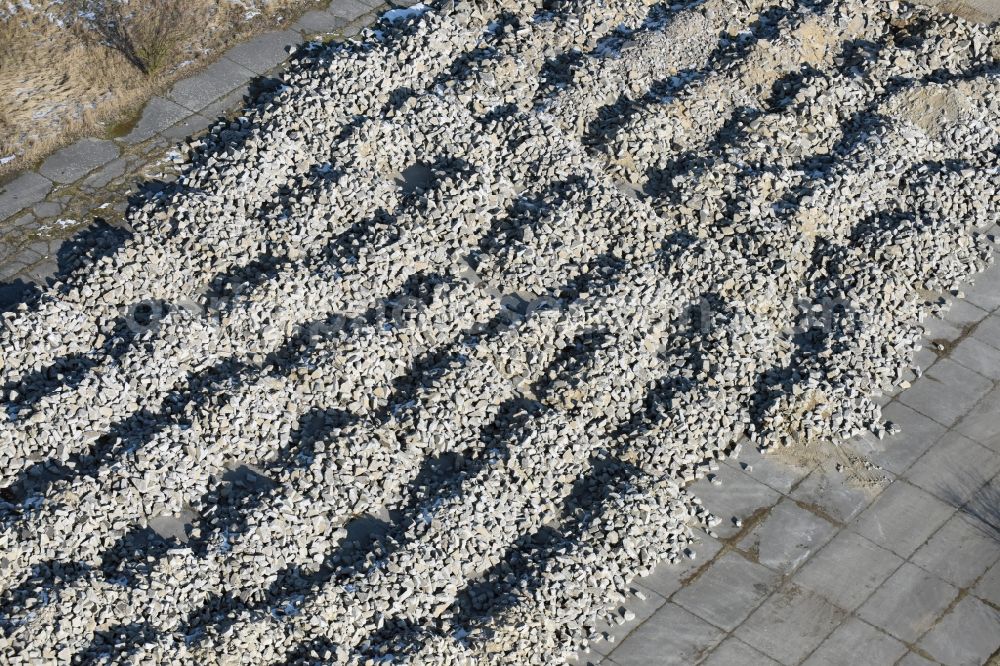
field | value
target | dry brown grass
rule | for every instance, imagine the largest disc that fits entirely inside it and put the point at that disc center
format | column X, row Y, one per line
column 58, row 83
column 148, row 35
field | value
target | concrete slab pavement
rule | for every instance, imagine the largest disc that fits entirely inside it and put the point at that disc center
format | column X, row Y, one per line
column 911, row 575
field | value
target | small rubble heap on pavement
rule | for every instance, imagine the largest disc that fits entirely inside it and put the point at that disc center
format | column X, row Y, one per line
column 497, row 281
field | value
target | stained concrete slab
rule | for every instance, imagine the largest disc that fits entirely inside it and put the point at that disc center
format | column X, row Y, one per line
column 225, row 106
column 349, row 9
column 187, row 127
column 914, row 659
column 988, row 331
column 969, row 634
column 839, row 494
column 107, row 173
column 265, row 51
column 988, row 587
column 687, row 641
column 983, row 292
column 738, row 496
column 930, row 397
column 964, row 314
column 47, row 209
column 26, row 190
column 979, row 356
column 771, row 468
column 734, row 652
column 908, row 603
column 960, row 552
column 787, row 537
column 848, row 570
column 319, row 22
column 955, row 469
column 728, row 591
column 159, row 114
column 73, row 162
column 856, row 642
column 642, row 604
column 198, row 91
column 668, row 578
column 790, row 624
column 903, row 518
column 981, row 423
column 896, row 453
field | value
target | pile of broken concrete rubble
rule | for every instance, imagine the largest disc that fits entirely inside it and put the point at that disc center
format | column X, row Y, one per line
column 422, row 350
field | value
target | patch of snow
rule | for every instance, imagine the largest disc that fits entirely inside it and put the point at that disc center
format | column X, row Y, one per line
column 409, row 12
column 4, row 160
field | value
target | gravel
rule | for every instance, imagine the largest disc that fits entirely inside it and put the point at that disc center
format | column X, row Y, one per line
column 415, row 358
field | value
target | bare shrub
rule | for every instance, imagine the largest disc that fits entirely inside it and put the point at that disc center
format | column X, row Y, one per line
column 148, row 34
